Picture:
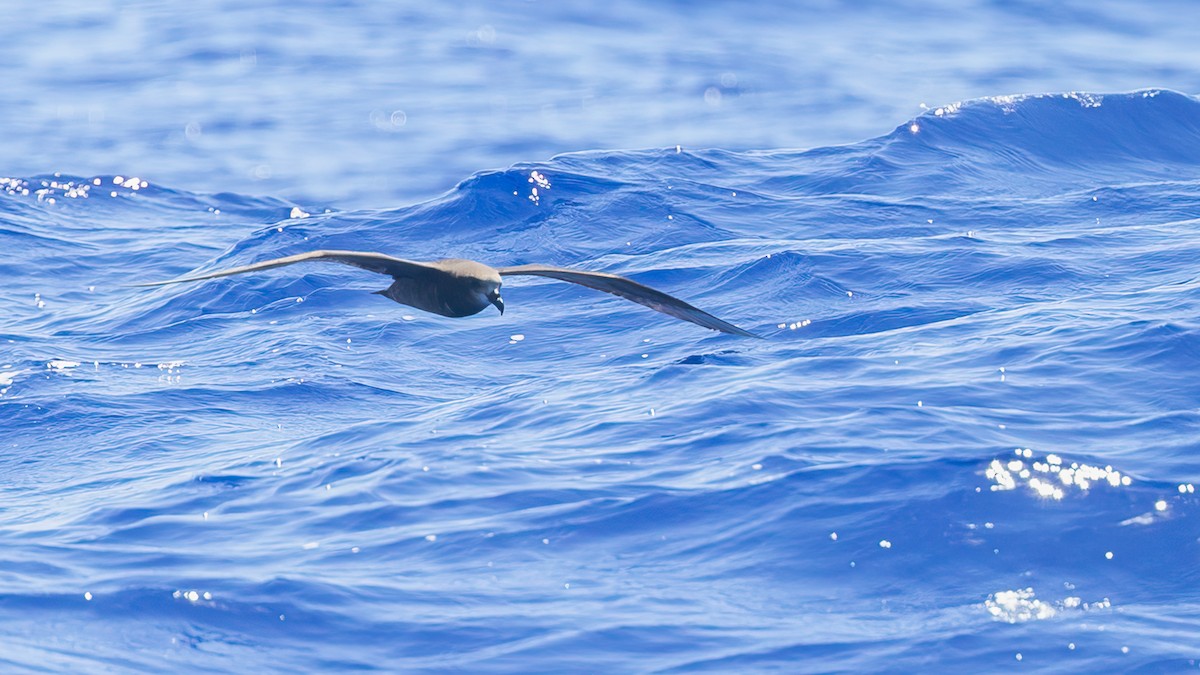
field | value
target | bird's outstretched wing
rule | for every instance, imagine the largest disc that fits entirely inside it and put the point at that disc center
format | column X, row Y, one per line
column 630, row 290
column 374, row 262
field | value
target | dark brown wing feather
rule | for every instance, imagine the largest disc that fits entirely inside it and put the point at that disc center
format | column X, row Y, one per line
column 630, row 290
column 374, row 262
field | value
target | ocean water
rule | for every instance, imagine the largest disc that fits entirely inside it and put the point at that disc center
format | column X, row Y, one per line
column 967, row 442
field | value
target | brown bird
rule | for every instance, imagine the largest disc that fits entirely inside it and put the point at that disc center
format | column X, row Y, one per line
column 455, row 287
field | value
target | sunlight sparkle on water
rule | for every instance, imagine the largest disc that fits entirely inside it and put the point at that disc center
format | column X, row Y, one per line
column 1017, row 606
column 1022, row 604
column 192, row 595
column 540, row 181
column 1051, row 478
column 795, row 324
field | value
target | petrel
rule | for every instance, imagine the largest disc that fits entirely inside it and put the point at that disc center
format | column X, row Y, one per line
column 456, row 287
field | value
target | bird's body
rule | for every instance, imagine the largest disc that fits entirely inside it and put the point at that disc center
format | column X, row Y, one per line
column 457, row 288
column 448, row 287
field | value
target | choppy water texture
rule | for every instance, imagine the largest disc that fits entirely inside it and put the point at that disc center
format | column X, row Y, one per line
column 967, row 442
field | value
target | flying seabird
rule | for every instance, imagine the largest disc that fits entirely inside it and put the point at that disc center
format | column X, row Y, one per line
column 456, row 287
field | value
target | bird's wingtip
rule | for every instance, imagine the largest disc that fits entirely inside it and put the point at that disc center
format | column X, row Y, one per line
column 730, row 329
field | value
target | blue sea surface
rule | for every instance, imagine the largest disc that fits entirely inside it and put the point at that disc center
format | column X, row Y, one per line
column 968, row 441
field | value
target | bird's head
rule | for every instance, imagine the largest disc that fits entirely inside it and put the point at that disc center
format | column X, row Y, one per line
column 493, row 296
column 476, row 285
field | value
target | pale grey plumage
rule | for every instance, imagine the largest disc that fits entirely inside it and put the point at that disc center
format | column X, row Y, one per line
column 455, row 287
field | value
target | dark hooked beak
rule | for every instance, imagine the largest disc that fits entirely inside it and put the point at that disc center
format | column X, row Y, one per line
column 498, row 302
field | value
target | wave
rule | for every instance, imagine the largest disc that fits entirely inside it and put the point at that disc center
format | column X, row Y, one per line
column 356, row 483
